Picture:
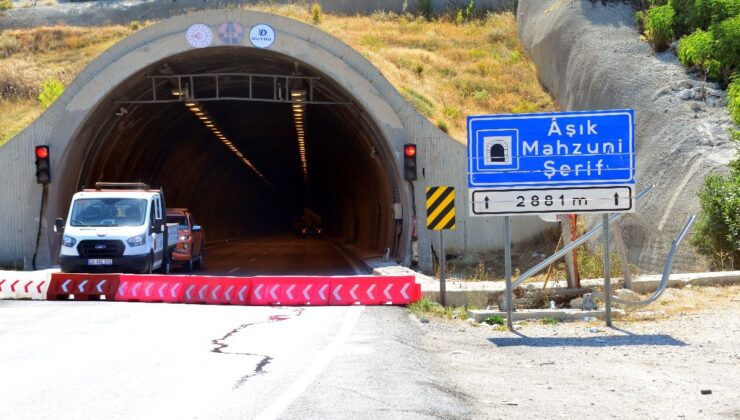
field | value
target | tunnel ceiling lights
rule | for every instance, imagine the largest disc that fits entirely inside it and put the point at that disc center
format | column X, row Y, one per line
column 201, row 114
column 299, row 106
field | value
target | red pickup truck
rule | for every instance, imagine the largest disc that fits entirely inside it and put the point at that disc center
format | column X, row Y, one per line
column 190, row 248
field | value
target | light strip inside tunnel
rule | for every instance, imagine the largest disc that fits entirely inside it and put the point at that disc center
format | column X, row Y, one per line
column 200, row 113
column 299, row 108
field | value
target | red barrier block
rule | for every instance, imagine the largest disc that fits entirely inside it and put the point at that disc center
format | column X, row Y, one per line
column 82, row 286
column 228, row 291
column 291, row 291
column 374, row 290
column 196, row 290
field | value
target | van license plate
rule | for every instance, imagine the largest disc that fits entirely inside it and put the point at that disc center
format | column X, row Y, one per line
column 100, row 261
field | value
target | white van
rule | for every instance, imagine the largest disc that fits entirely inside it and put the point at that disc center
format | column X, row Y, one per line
column 117, row 228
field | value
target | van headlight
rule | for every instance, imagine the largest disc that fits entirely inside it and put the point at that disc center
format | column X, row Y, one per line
column 68, row 241
column 183, row 237
column 137, row 240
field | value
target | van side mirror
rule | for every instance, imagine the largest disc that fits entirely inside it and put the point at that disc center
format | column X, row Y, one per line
column 59, row 225
column 197, row 228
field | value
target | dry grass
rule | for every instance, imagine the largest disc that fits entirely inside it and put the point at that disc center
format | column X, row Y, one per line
column 679, row 302
column 446, row 70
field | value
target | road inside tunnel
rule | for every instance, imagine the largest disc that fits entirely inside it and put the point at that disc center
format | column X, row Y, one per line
column 254, row 143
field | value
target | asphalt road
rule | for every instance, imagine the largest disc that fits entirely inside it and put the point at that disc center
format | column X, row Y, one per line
column 92, row 360
column 278, row 255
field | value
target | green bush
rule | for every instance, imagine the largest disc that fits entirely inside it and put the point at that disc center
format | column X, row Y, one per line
column 316, row 13
column 51, row 89
column 640, row 20
column 659, row 26
column 733, row 98
column 697, row 50
column 495, row 320
column 706, row 13
column 727, row 51
column 426, row 9
column 684, row 10
column 5, row 5
column 717, row 232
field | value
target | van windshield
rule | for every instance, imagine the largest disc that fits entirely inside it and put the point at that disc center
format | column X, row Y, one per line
column 96, row 212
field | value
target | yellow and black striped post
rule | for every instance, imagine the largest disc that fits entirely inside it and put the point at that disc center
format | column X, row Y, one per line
column 441, row 208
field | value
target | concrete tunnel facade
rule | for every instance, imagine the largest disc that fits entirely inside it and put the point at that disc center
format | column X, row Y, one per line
column 102, row 129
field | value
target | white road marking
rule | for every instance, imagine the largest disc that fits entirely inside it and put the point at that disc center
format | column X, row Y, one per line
column 298, row 387
column 264, row 253
column 234, row 270
column 253, row 259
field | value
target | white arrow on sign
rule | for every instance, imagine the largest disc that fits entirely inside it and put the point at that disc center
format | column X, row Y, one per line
column 81, row 286
column 148, row 289
column 133, row 289
column 241, row 293
column 122, row 288
column 272, row 291
column 65, row 284
column 322, row 290
column 370, row 291
column 352, row 291
column 173, row 291
column 201, row 291
column 290, row 291
column 305, row 292
column 189, row 291
column 257, row 291
column 227, row 294
column 388, row 289
column 214, row 294
column 161, row 290
column 403, row 290
column 100, row 286
column 336, row 292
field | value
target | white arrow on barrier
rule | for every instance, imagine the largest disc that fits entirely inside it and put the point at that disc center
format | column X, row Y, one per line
column 173, row 291
column 257, row 291
column 201, row 291
column 388, row 289
column 272, row 291
column 290, row 291
column 161, row 290
column 122, row 288
column 403, row 290
column 133, row 289
column 227, row 294
column 322, row 290
column 148, row 289
column 81, row 286
column 65, row 284
column 100, row 286
column 336, row 292
column 214, row 294
column 241, row 293
column 188, row 291
column 370, row 292
column 305, row 292
column 352, row 291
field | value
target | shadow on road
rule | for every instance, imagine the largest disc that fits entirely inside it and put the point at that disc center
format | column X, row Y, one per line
column 628, row 339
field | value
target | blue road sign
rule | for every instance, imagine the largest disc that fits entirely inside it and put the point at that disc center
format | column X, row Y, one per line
column 561, row 149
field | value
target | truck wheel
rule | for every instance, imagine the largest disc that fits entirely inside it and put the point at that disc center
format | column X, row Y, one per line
column 199, row 263
column 166, row 267
column 188, row 266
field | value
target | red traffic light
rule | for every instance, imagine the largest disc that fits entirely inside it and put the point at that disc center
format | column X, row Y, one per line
column 410, row 150
column 42, row 152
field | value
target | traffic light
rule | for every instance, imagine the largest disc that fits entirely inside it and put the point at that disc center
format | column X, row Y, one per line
column 43, row 167
column 409, row 162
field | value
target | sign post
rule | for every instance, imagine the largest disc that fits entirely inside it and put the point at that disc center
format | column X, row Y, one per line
column 441, row 217
column 507, row 273
column 551, row 163
column 607, row 272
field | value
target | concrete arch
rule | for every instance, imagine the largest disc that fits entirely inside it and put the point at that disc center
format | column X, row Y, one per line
column 385, row 115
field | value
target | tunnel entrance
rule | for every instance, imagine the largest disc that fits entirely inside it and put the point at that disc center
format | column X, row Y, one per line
column 254, row 142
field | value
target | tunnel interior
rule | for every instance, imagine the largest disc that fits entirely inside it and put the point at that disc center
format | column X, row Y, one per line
column 256, row 184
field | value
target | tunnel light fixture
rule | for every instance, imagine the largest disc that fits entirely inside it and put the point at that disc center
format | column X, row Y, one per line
column 299, row 109
column 190, row 104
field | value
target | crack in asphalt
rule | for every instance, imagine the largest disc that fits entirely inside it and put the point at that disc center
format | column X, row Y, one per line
column 259, row 369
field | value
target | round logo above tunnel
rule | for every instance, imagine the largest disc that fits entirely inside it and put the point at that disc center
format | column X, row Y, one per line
column 231, row 33
column 262, row 36
column 199, row 35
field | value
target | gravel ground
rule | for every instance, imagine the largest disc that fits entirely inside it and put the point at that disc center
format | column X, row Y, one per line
column 639, row 369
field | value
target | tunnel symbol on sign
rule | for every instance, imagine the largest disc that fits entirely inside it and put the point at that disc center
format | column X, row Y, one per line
column 497, row 150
